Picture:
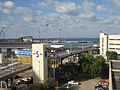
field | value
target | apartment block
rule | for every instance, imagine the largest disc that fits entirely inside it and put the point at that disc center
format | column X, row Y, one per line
column 109, row 43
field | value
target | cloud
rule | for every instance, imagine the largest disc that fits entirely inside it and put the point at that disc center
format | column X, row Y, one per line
column 6, row 11
column 9, row 4
column 115, row 2
column 88, row 7
column 69, row 8
column 10, row 18
column 88, row 16
column 27, row 18
column 74, row 19
column 9, row 7
column 22, row 10
column 103, row 8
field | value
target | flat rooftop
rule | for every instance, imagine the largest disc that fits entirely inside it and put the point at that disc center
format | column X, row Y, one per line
column 115, row 75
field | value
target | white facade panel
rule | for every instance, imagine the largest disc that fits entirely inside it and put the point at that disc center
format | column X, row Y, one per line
column 110, row 43
column 39, row 62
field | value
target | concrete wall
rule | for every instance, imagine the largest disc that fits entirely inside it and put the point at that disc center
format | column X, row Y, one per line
column 103, row 44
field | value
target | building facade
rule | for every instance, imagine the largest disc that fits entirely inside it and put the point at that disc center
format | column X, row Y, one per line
column 39, row 62
column 109, row 43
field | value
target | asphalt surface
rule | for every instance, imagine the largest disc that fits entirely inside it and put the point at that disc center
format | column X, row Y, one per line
column 86, row 84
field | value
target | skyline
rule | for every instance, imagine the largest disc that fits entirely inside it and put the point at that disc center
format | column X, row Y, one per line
column 75, row 18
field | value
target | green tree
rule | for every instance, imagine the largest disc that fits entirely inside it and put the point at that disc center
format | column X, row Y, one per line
column 67, row 72
column 93, row 67
column 48, row 84
column 85, row 63
column 99, row 68
column 111, row 55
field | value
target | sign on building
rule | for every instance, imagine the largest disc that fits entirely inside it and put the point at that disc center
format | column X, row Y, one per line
column 23, row 52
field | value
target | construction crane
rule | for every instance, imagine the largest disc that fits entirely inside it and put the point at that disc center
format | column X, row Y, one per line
column 3, row 33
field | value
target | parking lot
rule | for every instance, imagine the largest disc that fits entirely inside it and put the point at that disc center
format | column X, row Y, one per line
column 88, row 84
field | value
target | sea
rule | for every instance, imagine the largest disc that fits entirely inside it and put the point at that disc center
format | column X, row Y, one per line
column 67, row 45
column 73, row 45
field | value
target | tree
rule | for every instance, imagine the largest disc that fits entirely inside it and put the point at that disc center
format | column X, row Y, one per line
column 85, row 63
column 48, row 84
column 99, row 68
column 111, row 55
column 93, row 67
column 67, row 72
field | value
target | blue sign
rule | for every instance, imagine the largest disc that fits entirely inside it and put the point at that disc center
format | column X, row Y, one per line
column 23, row 52
column 46, row 54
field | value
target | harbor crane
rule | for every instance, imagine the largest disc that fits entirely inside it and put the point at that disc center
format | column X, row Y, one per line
column 2, row 32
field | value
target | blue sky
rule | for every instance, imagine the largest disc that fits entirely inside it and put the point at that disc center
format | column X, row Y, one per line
column 75, row 18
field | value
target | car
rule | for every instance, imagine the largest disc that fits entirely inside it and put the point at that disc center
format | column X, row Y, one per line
column 73, row 82
column 66, row 87
column 99, row 88
column 101, row 84
column 28, row 80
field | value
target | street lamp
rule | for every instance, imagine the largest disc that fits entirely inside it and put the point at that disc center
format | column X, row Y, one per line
column 39, row 36
column 60, row 34
column 70, row 46
column 47, row 25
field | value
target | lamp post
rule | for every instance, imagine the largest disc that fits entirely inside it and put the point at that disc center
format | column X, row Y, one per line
column 60, row 34
column 39, row 36
column 47, row 25
column 70, row 46
column 39, row 69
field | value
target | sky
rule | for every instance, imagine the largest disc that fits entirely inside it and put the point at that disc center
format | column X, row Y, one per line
column 49, row 18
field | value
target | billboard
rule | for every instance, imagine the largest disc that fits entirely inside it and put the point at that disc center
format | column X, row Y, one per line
column 23, row 52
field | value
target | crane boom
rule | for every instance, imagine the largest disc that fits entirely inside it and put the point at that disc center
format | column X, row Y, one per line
column 1, row 31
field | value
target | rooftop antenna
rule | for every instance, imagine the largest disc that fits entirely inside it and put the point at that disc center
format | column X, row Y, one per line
column 100, row 31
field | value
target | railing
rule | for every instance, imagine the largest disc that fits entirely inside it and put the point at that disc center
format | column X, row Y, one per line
column 14, row 71
column 65, row 54
column 9, row 65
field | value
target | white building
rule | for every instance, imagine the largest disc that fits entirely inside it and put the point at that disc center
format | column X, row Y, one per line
column 109, row 43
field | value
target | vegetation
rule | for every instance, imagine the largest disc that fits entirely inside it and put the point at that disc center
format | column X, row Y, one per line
column 48, row 84
column 87, row 66
column 93, row 67
column 111, row 55
column 99, row 68
column 67, row 72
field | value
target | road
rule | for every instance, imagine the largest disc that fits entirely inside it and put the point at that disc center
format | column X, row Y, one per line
column 13, row 70
column 86, row 84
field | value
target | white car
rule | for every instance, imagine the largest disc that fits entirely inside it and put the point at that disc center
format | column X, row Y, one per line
column 73, row 82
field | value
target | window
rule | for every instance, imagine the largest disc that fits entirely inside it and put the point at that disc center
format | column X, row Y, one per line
column 111, row 44
column 111, row 39
column 111, row 48
column 117, row 39
column 117, row 48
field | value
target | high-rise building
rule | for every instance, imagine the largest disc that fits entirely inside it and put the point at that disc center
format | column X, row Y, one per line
column 109, row 43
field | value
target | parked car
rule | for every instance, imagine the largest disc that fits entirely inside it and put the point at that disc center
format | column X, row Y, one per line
column 66, row 87
column 101, row 85
column 73, row 82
